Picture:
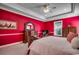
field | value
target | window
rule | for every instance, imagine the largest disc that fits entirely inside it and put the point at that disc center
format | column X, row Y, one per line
column 58, row 28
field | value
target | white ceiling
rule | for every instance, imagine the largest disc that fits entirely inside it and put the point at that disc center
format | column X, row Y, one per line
column 34, row 10
column 37, row 8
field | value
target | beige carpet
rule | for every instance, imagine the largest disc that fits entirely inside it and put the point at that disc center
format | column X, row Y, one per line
column 18, row 49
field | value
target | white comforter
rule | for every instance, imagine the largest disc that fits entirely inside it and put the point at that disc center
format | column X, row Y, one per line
column 52, row 46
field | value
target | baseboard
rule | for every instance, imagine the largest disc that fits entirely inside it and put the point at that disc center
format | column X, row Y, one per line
column 10, row 44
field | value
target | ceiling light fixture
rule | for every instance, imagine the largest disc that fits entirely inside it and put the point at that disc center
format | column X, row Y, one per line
column 46, row 8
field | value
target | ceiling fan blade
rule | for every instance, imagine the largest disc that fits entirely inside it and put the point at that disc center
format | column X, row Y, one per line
column 39, row 6
column 53, row 7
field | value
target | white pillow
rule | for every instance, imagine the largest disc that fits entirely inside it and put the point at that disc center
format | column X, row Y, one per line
column 75, row 42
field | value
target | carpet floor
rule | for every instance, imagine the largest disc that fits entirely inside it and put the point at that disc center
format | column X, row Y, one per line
column 18, row 49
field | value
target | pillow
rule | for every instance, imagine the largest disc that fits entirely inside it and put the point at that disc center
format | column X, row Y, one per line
column 70, row 36
column 75, row 43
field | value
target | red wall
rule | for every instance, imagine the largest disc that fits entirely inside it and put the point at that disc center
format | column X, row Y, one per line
column 74, row 21
column 39, row 26
column 21, row 20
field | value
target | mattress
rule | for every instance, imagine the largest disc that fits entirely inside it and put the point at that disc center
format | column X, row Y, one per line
column 52, row 46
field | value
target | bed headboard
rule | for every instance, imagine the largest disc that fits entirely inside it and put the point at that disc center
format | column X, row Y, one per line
column 67, row 30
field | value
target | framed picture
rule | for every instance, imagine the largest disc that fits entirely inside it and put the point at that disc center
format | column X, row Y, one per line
column 4, row 24
column 58, row 28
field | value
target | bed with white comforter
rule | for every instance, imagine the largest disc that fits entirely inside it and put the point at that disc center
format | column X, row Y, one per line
column 52, row 46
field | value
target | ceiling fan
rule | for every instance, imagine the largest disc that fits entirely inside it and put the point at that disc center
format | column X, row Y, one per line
column 46, row 8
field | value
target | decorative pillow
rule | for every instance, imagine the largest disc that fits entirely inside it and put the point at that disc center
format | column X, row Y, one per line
column 75, row 43
column 70, row 36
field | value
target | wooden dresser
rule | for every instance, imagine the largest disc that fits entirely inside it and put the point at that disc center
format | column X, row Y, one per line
column 28, row 38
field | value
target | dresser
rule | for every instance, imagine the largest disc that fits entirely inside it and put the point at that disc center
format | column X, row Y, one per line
column 28, row 38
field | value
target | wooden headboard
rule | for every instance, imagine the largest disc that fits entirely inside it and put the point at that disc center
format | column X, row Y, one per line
column 67, row 30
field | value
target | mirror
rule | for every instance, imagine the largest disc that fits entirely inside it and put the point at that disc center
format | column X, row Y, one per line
column 29, row 26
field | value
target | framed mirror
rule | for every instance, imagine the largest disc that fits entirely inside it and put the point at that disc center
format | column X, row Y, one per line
column 29, row 26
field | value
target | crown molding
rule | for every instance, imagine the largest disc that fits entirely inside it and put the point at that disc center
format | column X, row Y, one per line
column 31, row 14
column 27, row 13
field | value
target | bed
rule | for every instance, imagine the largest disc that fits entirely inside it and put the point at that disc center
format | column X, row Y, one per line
column 52, row 46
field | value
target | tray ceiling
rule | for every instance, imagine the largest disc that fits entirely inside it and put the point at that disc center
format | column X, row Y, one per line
column 35, row 10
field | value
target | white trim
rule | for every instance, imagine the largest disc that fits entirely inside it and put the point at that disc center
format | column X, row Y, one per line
column 11, row 34
column 29, row 13
column 10, row 44
column 20, row 13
